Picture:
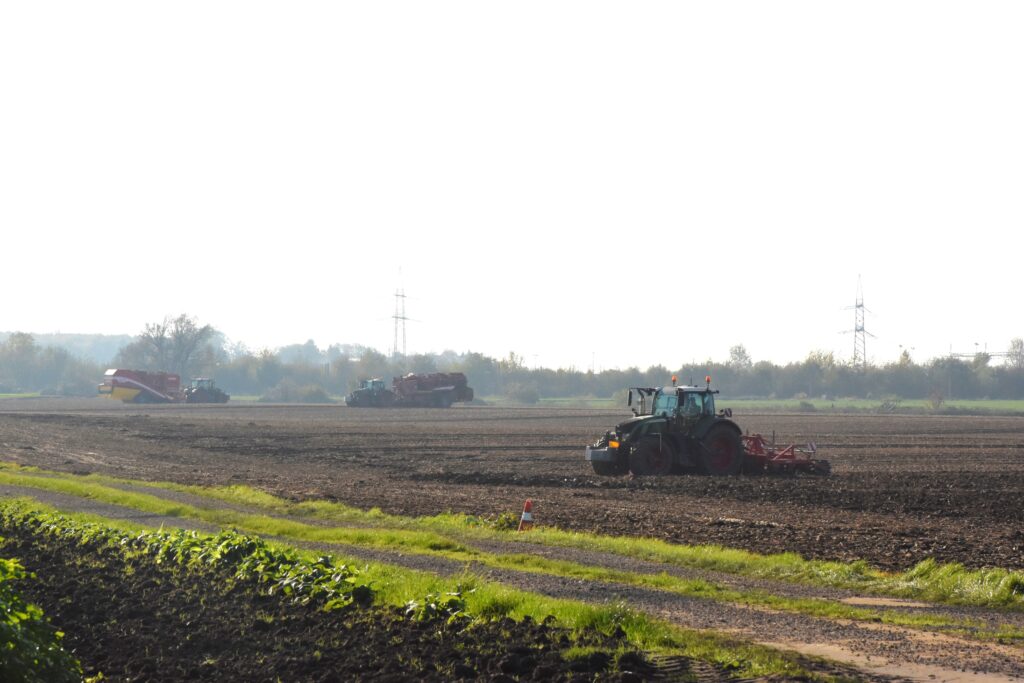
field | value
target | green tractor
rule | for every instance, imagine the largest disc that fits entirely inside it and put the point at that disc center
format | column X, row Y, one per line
column 205, row 390
column 673, row 429
column 371, row 392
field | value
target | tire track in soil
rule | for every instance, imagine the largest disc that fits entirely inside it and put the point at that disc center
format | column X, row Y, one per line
column 866, row 651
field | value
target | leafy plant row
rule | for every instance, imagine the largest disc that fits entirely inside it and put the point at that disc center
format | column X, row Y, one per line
column 246, row 558
column 30, row 649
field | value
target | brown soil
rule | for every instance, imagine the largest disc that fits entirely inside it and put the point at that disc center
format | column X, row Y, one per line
column 903, row 487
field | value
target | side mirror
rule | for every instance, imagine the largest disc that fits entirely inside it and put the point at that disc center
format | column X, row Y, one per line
column 629, row 399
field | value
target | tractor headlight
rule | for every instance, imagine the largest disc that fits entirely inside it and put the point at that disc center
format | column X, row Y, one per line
column 612, row 443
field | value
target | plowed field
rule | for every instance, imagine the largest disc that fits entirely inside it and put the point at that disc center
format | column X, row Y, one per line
column 903, row 487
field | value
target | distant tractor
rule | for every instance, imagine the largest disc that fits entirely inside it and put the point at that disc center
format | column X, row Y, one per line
column 432, row 390
column 371, row 392
column 204, row 390
column 676, row 429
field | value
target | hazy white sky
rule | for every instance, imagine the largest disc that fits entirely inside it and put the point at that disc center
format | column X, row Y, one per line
column 616, row 183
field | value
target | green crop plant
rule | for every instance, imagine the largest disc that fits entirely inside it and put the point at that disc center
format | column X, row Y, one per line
column 30, row 649
column 451, row 606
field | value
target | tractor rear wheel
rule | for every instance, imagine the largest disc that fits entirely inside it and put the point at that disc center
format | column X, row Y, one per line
column 651, row 457
column 721, row 451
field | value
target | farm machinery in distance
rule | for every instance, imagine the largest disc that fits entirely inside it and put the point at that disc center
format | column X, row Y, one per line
column 139, row 386
column 676, row 428
column 431, row 390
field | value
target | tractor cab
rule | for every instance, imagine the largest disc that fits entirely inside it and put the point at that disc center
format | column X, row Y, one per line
column 673, row 401
column 372, row 384
column 201, row 383
column 690, row 402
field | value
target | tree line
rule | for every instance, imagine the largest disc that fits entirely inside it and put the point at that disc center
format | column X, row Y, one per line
column 305, row 372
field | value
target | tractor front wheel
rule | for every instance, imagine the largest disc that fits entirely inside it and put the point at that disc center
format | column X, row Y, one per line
column 721, row 451
column 650, row 457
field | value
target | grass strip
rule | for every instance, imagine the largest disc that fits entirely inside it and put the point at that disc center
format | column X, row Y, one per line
column 433, row 544
column 928, row 580
column 397, row 586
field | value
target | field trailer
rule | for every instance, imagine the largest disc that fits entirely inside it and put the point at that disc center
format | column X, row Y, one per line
column 677, row 429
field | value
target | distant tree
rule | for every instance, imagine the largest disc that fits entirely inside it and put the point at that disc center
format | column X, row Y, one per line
column 739, row 358
column 307, row 354
column 522, row 393
column 421, row 363
column 187, row 339
column 156, row 341
column 512, row 363
column 18, row 359
column 268, row 371
column 1015, row 354
column 482, row 373
column 823, row 359
column 372, row 364
column 172, row 345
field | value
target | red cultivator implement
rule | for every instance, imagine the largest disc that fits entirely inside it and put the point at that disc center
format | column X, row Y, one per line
column 761, row 456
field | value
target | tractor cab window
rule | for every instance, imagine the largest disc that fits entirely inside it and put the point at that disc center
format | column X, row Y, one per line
column 693, row 404
column 664, row 405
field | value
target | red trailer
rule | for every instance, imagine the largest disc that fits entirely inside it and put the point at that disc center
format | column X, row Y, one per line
column 434, row 389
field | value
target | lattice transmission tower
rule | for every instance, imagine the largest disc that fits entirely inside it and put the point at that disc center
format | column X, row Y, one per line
column 400, row 319
column 860, row 333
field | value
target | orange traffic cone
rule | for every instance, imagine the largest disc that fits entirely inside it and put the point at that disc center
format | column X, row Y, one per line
column 526, row 521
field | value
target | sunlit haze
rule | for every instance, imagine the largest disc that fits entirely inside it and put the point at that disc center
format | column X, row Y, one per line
column 583, row 183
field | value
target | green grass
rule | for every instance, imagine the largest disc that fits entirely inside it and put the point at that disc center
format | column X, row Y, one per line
column 942, row 583
column 396, row 586
column 949, row 583
column 27, row 394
